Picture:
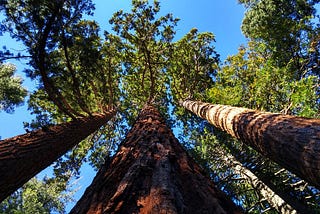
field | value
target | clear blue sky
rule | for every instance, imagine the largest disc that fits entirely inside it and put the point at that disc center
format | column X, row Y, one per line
column 222, row 17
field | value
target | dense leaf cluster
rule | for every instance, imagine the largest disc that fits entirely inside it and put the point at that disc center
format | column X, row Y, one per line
column 12, row 93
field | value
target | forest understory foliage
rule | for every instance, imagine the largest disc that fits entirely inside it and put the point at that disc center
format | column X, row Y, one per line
column 83, row 72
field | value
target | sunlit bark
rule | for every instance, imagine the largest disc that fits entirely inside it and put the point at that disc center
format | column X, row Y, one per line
column 293, row 142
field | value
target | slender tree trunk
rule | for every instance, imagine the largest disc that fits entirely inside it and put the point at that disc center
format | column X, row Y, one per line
column 152, row 173
column 23, row 156
column 264, row 184
column 282, row 203
column 293, row 142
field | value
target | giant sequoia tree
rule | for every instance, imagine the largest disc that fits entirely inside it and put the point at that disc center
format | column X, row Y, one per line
column 291, row 141
column 138, row 62
column 152, row 173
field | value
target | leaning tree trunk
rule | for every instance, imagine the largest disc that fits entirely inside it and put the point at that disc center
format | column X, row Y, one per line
column 23, row 156
column 293, row 142
column 283, row 203
column 152, row 173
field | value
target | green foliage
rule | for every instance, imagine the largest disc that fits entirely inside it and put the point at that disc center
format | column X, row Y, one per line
column 248, row 3
column 38, row 197
column 192, row 69
column 29, row 20
column 304, row 97
column 81, row 73
column 192, row 65
column 211, row 147
column 12, row 92
column 156, row 69
column 287, row 30
column 251, row 79
column 44, row 27
column 146, row 39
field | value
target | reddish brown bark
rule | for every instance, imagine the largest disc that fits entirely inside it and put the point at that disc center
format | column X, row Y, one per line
column 152, row 173
column 293, row 142
column 23, row 156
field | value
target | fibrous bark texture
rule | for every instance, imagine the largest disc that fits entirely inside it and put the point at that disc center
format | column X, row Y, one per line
column 152, row 173
column 293, row 142
column 23, row 156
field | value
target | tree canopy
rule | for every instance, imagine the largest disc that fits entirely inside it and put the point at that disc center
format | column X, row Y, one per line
column 82, row 71
column 12, row 93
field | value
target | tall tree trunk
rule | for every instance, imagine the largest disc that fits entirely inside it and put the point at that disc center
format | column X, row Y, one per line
column 293, row 142
column 283, row 203
column 152, row 173
column 23, row 156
